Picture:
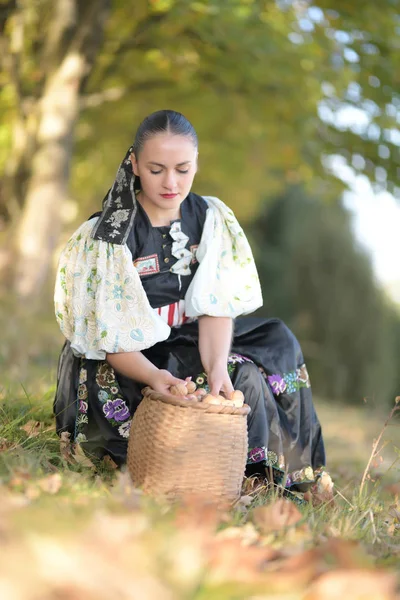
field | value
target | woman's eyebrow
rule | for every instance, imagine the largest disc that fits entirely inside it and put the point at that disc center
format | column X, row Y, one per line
column 186, row 162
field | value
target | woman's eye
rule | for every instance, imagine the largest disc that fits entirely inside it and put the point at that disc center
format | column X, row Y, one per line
column 179, row 171
column 155, row 172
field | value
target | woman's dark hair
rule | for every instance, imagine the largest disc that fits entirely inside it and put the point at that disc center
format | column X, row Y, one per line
column 163, row 121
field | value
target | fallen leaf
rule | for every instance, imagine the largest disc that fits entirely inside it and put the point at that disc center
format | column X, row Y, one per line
column 32, row 492
column 81, row 458
column 19, row 478
column 247, row 534
column 356, row 584
column 51, row 484
column 394, row 512
column 108, row 462
column 125, row 492
column 198, row 512
column 255, row 486
column 4, row 444
column 276, row 516
column 393, row 520
column 245, row 500
column 230, row 560
column 32, row 427
column 393, row 489
column 322, row 491
column 66, row 447
column 334, row 553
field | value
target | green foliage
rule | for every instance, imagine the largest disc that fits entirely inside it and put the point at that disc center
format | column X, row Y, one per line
column 317, row 279
column 252, row 77
column 263, row 82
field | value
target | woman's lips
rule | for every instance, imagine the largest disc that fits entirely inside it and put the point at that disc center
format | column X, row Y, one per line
column 169, row 196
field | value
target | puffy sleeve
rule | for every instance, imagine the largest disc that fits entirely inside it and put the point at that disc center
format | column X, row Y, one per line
column 226, row 282
column 100, row 302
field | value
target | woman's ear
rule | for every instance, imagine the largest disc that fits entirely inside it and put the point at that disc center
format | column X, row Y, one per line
column 134, row 164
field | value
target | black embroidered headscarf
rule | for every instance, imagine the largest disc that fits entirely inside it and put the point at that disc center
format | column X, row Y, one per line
column 120, row 204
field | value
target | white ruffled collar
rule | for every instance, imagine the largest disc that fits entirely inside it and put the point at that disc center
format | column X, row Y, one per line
column 179, row 250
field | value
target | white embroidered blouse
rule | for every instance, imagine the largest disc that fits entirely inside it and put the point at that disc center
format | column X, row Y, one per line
column 100, row 302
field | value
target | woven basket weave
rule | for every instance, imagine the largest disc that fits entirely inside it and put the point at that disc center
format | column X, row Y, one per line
column 179, row 447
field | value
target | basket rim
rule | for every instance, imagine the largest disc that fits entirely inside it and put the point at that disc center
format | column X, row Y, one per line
column 193, row 404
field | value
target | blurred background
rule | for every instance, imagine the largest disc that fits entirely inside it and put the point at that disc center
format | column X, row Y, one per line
column 297, row 109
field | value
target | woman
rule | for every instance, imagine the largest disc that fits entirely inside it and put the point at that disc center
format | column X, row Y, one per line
column 152, row 290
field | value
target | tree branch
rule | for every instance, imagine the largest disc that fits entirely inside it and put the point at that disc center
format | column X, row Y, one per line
column 134, row 42
column 116, row 93
column 5, row 12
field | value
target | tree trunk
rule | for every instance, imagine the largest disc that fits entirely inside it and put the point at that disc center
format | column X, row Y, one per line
column 71, row 48
column 39, row 227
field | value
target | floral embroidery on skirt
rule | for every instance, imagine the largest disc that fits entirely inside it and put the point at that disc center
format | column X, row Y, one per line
column 288, row 382
column 114, row 407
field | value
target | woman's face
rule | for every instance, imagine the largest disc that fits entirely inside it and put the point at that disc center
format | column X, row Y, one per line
column 166, row 166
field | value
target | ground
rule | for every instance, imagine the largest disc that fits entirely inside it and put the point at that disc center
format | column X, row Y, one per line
column 69, row 531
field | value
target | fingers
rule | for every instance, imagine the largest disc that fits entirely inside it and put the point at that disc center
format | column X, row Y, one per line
column 215, row 390
column 228, row 388
column 175, row 381
column 225, row 386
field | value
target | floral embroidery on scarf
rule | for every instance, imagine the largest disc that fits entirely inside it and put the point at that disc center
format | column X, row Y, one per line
column 117, row 217
column 288, row 382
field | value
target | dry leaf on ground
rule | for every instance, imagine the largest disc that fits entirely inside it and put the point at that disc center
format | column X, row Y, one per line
column 5, row 444
column 231, row 560
column 247, row 534
column 355, row 584
column 33, row 428
column 51, row 484
column 277, row 516
column 198, row 512
column 393, row 489
column 244, row 502
column 333, row 554
column 124, row 491
column 66, row 447
column 81, row 458
column 394, row 512
column 108, row 462
column 322, row 491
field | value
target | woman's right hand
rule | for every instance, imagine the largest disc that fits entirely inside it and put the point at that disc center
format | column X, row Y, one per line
column 161, row 380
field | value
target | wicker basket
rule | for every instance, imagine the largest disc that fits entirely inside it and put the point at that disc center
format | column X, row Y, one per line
column 179, row 447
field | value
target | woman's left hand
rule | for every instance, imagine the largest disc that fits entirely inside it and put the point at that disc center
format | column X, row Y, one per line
column 219, row 381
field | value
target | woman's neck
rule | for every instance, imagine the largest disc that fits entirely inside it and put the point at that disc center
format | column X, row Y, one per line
column 158, row 217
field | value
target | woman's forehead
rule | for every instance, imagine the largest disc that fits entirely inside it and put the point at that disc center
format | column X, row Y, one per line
column 168, row 148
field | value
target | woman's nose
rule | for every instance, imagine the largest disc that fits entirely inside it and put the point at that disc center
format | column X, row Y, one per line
column 170, row 180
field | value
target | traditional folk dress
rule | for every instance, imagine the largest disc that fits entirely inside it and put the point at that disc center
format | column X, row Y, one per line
column 123, row 285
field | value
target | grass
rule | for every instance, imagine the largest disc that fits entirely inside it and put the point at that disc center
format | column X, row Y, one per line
column 82, row 532
column 48, row 498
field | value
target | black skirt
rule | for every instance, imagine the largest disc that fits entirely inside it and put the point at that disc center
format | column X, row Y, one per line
column 95, row 404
